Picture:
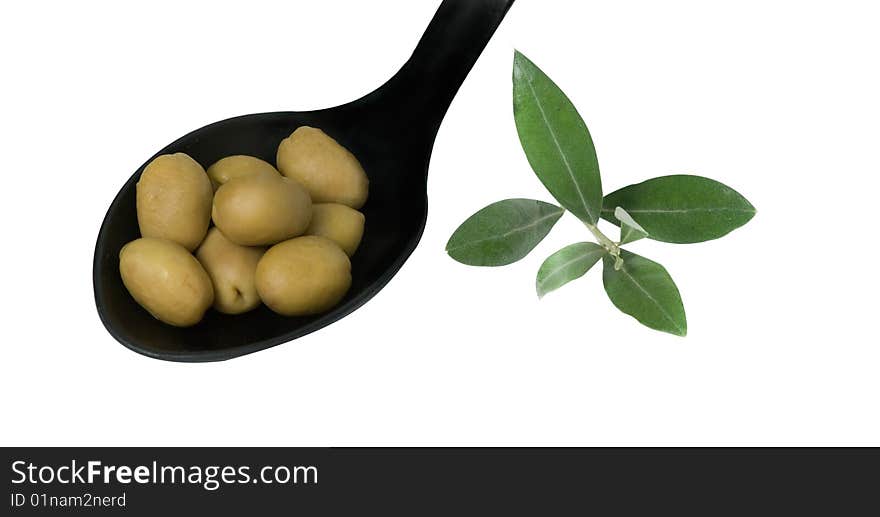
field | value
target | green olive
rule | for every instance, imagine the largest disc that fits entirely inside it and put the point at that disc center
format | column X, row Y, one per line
column 303, row 276
column 237, row 166
column 339, row 223
column 166, row 280
column 232, row 269
column 327, row 170
column 174, row 200
column 261, row 210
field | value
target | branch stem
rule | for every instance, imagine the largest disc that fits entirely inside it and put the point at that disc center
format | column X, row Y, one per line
column 612, row 247
column 607, row 243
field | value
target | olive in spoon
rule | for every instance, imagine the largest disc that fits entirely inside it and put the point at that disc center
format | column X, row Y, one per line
column 391, row 131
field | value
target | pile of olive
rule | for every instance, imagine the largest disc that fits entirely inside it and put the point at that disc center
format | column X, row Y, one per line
column 281, row 236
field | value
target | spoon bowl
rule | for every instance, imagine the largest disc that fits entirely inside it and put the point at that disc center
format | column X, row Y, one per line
column 391, row 131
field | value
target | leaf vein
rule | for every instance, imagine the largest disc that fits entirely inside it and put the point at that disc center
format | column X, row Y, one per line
column 582, row 257
column 680, row 210
column 508, row 233
column 565, row 162
column 650, row 297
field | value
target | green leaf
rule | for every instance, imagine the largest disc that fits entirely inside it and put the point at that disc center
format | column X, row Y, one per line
column 556, row 141
column 567, row 264
column 503, row 232
column 682, row 209
column 644, row 290
column 630, row 230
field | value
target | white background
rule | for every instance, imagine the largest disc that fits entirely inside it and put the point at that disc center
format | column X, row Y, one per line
column 778, row 99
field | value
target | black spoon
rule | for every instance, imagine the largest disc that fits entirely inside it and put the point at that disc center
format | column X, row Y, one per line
column 391, row 131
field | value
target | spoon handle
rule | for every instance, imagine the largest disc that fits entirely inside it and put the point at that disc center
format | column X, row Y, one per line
column 424, row 87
